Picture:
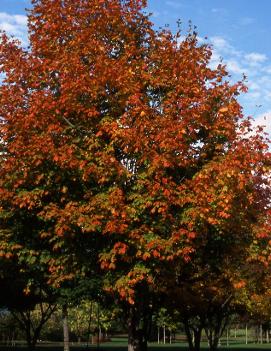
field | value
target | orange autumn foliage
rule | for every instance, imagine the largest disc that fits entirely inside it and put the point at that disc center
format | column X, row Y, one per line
column 122, row 143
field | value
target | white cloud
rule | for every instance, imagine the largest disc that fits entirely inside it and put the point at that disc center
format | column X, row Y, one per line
column 254, row 95
column 253, row 85
column 223, row 46
column 14, row 25
column 264, row 119
column 255, row 58
column 220, row 43
column 234, row 67
column 254, row 65
column 17, row 19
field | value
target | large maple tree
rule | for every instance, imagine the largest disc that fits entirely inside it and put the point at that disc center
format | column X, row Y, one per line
column 124, row 148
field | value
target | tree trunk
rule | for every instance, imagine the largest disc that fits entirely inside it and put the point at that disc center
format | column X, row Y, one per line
column 31, row 334
column 32, row 330
column 137, row 338
column 213, row 344
column 227, row 336
column 66, row 341
column 261, row 333
column 213, row 335
column 246, row 335
column 215, row 327
column 193, row 336
column 30, row 340
column 197, row 339
column 89, row 324
column 189, row 336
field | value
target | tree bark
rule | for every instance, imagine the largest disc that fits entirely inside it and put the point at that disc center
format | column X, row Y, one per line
column 30, row 340
column 246, row 335
column 197, row 339
column 214, row 330
column 137, row 338
column 193, row 336
column 66, row 340
column 261, row 333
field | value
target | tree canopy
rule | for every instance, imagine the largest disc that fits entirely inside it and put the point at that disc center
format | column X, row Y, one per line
column 124, row 155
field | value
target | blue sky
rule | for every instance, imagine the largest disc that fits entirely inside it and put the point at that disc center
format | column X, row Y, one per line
column 239, row 31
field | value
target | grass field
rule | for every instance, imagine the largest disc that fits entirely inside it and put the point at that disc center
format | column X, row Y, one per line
column 120, row 344
column 151, row 348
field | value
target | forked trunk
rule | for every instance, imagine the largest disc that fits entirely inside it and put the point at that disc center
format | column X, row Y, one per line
column 214, row 331
column 137, row 338
column 32, row 330
column 213, row 343
column 193, row 336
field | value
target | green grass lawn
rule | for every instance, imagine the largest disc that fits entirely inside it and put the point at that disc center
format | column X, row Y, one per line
column 120, row 344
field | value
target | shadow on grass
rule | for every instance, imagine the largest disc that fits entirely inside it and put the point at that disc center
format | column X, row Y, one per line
column 117, row 346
